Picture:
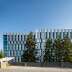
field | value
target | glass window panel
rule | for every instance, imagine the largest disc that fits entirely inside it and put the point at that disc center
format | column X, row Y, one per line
column 15, row 38
column 56, row 34
column 21, row 38
column 46, row 35
column 71, row 35
column 49, row 34
column 53, row 35
column 18, row 37
column 38, row 45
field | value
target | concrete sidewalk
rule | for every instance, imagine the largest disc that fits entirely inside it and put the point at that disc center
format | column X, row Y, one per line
column 34, row 69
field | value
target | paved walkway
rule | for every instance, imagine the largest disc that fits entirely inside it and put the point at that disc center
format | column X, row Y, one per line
column 34, row 69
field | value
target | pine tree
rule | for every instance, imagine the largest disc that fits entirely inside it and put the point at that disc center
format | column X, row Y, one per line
column 47, row 55
column 29, row 53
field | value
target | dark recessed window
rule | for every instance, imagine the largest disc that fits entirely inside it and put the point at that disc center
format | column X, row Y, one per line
column 71, row 35
column 49, row 34
column 53, row 35
column 46, row 35
column 21, row 38
column 18, row 37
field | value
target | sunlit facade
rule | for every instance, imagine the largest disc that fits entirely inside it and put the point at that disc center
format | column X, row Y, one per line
column 14, row 43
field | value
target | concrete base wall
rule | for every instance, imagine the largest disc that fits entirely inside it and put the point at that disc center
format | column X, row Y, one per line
column 64, row 64
column 3, row 64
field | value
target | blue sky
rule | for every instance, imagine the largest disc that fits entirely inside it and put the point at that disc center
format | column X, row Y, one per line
column 29, row 15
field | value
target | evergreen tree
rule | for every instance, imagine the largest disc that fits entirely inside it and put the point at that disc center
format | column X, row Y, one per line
column 29, row 54
column 62, row 48
column 59, row 49
column 66, row 46
column 47, row 55
column 69, row 57
column 1, row 54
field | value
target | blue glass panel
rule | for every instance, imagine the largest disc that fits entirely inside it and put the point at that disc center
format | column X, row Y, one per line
column 5, row 41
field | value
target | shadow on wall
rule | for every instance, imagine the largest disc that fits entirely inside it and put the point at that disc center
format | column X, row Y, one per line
column 32, row 64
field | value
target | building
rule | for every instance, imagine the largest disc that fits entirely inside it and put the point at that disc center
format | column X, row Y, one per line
column 13, row 43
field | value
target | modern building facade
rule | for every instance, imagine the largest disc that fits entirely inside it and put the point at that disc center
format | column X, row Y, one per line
column 14, row 43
